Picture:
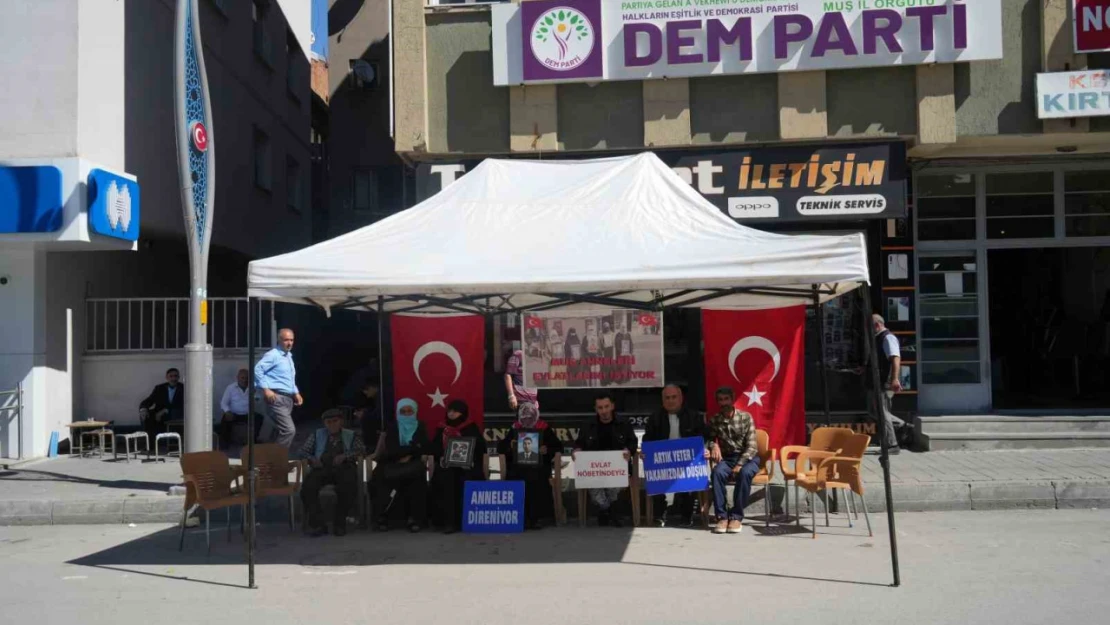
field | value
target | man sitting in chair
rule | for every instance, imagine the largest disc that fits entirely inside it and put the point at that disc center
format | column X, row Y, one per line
column 607, row 432
column 165, row 403
column 333, row 454
column 734, row 451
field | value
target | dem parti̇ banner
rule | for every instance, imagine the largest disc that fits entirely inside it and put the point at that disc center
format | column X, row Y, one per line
column 593, row 349
column 597, row 40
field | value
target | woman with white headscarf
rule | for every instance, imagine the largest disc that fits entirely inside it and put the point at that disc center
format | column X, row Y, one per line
column 402, row 469
column 539, row 505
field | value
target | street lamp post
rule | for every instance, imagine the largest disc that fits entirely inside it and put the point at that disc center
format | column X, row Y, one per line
column 197, row 166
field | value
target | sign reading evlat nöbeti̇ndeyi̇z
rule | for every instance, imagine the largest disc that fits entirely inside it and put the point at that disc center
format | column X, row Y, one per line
column 596, row 40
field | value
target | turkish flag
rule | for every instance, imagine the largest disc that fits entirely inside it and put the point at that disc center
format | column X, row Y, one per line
column 437, row 360
column 761, row 355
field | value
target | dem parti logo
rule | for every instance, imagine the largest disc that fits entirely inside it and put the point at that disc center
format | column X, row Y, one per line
column 562, row 38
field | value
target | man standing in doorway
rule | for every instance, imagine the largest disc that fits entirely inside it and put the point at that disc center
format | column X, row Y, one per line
column 890, row 365
column 673, row 422
column 276, row 375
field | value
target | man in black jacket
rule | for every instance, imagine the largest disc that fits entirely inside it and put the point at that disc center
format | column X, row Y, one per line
column 165, row 402
column 672, row 422
column 607, row 432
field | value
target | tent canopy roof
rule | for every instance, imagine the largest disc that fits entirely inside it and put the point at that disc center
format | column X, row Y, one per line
column 518, row 235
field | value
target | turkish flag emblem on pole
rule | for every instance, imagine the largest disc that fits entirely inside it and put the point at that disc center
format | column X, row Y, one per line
column 761, row 355
column 437, row 360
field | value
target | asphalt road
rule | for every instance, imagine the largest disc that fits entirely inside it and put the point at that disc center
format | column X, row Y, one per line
column 957, row 567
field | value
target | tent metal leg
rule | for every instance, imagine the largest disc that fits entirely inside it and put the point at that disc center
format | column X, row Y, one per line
column 821, row 357
column 252, row 327
column 876, row 409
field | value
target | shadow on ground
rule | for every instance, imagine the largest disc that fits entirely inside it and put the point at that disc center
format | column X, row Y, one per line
column 28, row 475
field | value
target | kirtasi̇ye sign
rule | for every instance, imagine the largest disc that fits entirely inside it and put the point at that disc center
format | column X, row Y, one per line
column 835, row 182
column 1073, row 94
column 1091, row 24
column 595, row 40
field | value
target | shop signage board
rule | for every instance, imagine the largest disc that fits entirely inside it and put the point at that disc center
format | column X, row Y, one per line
column 792, row 183
column 113, row 205
column 597, row 40
column 30, row 199
column 1091, row 25
column 1073, row 94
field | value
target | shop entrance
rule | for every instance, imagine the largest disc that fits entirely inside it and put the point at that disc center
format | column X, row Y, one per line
column 1049, row 328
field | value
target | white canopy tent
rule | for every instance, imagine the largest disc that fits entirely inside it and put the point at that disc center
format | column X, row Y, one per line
column 516, row 235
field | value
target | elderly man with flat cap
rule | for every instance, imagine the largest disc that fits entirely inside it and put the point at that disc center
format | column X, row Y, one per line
column 332, row 453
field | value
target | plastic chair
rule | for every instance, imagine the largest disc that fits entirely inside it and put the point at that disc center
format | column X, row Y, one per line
column 767, row 457
column 556, row 482
column 273, row 465
column 127, row 440
column 166, row 436
column 633, row 494
column 841, row 471
column 823, row 443
column 208, row 477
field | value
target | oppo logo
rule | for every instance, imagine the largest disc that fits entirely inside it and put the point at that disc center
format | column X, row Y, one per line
column 763, row 207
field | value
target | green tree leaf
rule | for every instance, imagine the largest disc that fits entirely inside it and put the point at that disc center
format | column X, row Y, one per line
column 574, row 19
column 562, row 16
column 549, row 20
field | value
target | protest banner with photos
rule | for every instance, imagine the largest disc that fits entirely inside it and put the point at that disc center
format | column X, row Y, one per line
column 493, row 507
column 675, row 466
column 600, row 469
column 593, row 349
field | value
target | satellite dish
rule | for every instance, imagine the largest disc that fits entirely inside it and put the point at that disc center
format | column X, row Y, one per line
column 364, row 72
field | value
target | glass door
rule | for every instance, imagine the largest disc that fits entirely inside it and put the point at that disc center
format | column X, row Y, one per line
column 953, row 373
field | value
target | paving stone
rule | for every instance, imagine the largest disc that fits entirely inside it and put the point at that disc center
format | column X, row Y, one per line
column 89, row 512
column 25, row 512
column 1071, row 495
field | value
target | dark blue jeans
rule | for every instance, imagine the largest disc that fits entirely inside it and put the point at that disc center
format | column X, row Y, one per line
column 740, row 494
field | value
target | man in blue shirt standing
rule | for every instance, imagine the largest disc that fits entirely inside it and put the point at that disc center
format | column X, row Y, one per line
column 277, row 377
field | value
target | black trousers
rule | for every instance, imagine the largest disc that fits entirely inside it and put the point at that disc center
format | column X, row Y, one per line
column 447, row 495
column 412, row 493
column 539, row 503
column 345, row 479
column 683, row 504
column 227, row 427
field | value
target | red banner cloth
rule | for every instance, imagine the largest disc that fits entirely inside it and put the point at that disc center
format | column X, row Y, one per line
column 437, row 360
column 761, row 355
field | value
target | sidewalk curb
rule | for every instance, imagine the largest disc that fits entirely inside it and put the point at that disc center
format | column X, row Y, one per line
column 936, row 497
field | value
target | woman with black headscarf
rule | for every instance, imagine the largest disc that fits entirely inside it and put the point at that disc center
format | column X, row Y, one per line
column 448, row 482
column 539, row 504
column 573, row 349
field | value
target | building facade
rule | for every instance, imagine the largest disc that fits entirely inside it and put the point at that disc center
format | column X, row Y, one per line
column 93, row 320
column 992, row 265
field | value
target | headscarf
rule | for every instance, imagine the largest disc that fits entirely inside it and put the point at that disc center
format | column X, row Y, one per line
column 406, row 426
column 514, row 368
column 453, row 429
column 528, row 418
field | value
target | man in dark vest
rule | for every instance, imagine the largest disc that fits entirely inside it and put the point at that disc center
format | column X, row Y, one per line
column 890, row 364
column 333, row 453
column 674, row 421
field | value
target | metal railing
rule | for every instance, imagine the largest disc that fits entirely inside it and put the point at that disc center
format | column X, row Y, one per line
column 12, row 401
column 146, row 324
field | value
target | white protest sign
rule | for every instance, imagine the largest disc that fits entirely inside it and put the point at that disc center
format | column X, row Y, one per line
column 600, row 469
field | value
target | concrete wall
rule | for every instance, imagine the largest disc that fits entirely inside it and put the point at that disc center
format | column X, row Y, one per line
column 38, row 71
column 734, row 109
column 361, row 116
column 246, row 92
column 101, row 75
column 22, row 347
column 466, row 113
column 877, row 102
column 997, row 97
column 604, row 116
column 114, row 384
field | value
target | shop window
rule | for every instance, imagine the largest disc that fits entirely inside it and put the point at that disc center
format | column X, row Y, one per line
column 946, row 207
column 1087, row 203
column 262, row 162
column 1020, row 205
column 949, row 312
column 294, row 188
column 365, row 191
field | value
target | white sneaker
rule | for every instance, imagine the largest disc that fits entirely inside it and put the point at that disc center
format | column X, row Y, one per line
column 735, row 527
